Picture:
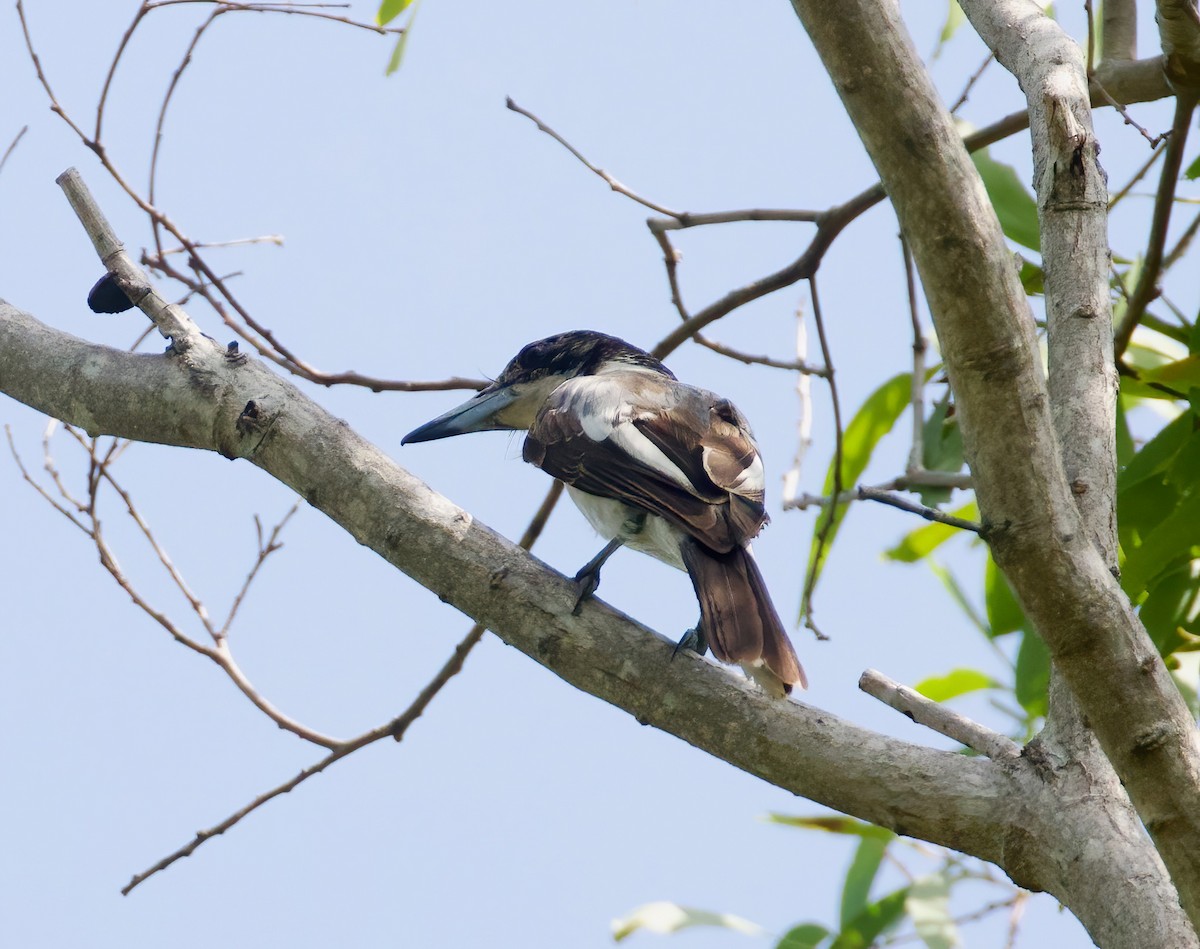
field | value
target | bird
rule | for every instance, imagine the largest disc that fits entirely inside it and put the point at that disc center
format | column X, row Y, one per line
column 654, row 464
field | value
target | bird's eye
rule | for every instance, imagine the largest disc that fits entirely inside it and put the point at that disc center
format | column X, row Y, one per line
column 725, row 411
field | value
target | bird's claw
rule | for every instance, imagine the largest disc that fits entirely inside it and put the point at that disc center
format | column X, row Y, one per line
column 694, row 639
column 586, row 583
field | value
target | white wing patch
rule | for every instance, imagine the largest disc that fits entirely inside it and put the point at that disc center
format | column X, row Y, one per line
column 751, row 481
column 605, row 413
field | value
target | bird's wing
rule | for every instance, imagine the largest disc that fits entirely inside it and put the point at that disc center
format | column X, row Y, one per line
column 713, row 446
column 627, row 440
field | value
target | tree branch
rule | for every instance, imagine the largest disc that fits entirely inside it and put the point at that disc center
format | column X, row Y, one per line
column 938, row 717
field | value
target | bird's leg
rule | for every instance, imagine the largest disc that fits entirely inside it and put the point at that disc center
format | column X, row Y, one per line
column 588, row 577
column 694, row 639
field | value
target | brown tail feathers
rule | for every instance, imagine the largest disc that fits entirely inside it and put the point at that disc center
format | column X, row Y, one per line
column 738, row 618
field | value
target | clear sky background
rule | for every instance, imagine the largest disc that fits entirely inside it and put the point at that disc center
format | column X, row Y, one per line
column 431, row 232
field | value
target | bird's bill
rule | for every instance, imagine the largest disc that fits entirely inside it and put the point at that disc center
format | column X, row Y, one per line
column 478, row 414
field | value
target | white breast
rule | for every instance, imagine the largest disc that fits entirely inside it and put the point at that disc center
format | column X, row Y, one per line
column 612, row 519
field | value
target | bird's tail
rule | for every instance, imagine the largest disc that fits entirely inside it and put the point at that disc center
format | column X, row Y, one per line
column 738, row 618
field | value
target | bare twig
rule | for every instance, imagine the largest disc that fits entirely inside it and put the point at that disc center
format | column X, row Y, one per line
column 1181, row 245
column 1147, row 286
column 929, row 513
column 916, row 452
column 12, row 145
column 908, row 481
column 276, row 239
column 264, row 551
column 795, row 365
column 974, row 78
column 830, row 515
column 1091, row 37
column 217, row 292
column 684, row 219
column 395, row 728
column 938, row 717
column 1137, row 176
column 45, row 495
column 791, row 480
column 594, row 169
column 1154, row 140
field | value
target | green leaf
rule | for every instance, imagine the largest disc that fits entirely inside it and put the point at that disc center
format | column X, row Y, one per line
column 954, row 19
column 1192, row 171
column 1157, row 453
column 1125, row 446
column 1014, row 206
column 872, row 922
column 1033, row 675
column 1004, row 613
column 389, row 10
column 1033, row 278
column 1141, row 509
column 1183, row 374
column 664, row 918
column 402, row 41
column 834, row 824
column 942, row 447
column 928, row 905
column 955, row 683
column 922, row 541
column 860, row 877
column 1186, row 683
column 1175, row 537
column 874, row 419
column 1169, row 611
column 954, row 588
column 804, row 936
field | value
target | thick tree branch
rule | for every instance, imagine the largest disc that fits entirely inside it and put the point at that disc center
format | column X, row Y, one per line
column 987, row 336
column 241, row 410
column 1118, row 36
column 1073, row 221
column 1012, row 814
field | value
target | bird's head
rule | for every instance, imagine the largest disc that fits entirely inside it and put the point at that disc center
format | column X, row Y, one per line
column 512, row 401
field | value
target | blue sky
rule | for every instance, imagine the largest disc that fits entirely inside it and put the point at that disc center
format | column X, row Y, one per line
column 431, row 232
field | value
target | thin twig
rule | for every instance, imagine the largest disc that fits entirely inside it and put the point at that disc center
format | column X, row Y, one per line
column 830, row 515
column 1137, row 176
column 1091, row 37
column 975, row 77
column 671, row 258
column 264, row 551
column 1182, row 245
column 685, row 219
column 791, row 480
column 261, row 338
column 916, row 452
column 595, row 169
column 795, row 365
column 929, row 513
column 910, row 480
column 1147, row 286
column 938, row 717
column 12, row 145
column 276, row 239
column 1154, row 140
column 28, row 479
column 395, row 728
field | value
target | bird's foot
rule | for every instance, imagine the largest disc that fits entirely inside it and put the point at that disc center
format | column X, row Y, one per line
column 586, row 582
column 694, row 639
